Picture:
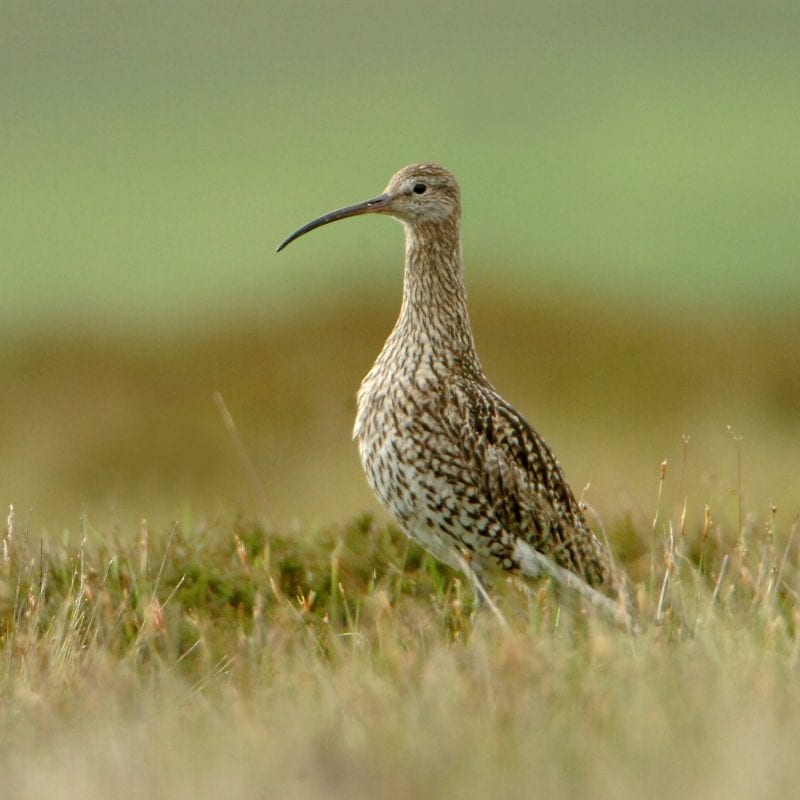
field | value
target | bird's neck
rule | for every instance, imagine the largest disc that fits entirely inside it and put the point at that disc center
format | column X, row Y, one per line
column 434, row 310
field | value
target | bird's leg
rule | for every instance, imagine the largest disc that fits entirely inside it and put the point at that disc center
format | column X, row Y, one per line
column 460, row 560
column 482, row 597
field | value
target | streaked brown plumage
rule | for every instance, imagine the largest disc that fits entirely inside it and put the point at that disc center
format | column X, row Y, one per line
column 459, row 468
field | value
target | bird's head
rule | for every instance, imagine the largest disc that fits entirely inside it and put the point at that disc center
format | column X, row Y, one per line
column 417, row 194
column 422, row 193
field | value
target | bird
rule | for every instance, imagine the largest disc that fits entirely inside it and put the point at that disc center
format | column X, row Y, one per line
column 457, row 466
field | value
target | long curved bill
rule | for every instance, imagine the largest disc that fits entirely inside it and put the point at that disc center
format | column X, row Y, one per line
column 377, row 204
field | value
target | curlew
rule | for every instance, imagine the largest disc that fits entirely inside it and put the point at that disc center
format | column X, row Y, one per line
column 458, row 467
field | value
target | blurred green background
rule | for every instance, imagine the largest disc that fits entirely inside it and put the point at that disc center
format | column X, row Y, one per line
column 630, row 175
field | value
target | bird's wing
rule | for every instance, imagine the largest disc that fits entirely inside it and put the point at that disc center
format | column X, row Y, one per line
column 523, row 488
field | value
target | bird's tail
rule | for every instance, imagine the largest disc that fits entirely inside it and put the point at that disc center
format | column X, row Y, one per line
column 618, row 603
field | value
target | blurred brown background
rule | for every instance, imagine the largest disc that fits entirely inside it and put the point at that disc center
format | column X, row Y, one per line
column 126, row 428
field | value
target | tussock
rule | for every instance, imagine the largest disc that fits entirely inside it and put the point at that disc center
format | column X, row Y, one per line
column 233, row 660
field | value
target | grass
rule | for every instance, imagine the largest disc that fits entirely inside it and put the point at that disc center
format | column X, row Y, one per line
column 232, row 659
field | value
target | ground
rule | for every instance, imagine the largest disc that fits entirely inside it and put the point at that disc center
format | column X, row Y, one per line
column 234, row 660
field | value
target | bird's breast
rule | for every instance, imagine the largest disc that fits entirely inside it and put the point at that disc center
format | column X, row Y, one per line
column 396, row 411
column 407, row 371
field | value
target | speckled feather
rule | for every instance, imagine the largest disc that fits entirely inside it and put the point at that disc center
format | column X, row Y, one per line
column 458, row 467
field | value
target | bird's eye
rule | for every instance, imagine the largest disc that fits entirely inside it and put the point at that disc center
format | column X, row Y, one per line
column 419, row 188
